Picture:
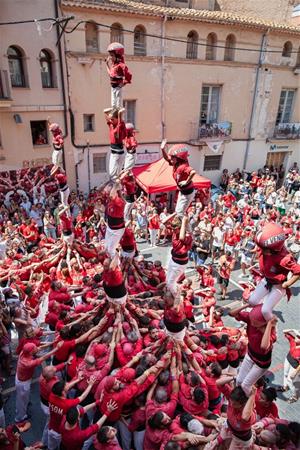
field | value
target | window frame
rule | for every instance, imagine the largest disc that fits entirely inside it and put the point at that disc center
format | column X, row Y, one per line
column 48, row 59
column 85, row 122
column 91, row 48
column 98, row 156
column 229, row 50
column 210, row 47
column 192, row 45
column 212, row 157
column 19, row 58
column 44, row 132
column 117, row 27
column 125, row 105
column 287, row 52
column 140, row 49
column 283, row 113
column 209, row 104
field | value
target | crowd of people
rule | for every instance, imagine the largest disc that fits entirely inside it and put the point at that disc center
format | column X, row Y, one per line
column 131, row 354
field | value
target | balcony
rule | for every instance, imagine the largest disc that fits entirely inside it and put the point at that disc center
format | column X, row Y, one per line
column 203, row 133
column 5, row 98
column 287, row 131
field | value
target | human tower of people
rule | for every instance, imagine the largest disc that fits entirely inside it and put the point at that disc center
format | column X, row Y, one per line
column 122, row 364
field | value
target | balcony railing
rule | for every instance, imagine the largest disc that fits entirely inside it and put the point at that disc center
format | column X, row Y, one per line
column 215, row 131
column 287, row 131
column 4, row 85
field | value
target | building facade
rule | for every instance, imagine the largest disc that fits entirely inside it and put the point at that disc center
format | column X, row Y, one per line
column 225, row 84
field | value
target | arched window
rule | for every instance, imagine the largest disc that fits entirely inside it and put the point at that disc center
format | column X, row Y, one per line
column 46, row 62
column 116, row 33
column 91, row 37
column 192, row 45
column 139, row 46
column 287, row 49
column 229, row 48
column 298, row 58
column 211, row 40
column 16, row 66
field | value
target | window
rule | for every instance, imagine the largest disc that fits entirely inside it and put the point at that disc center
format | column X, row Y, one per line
column 130, row 107
column 139, row 45
column 210, row 99
column 39, row 132
column 116, row 33
column 16, row 67
column 229, row 48
column 89, row 122
column 212, row 162
column 285, row 106
column 192, row 45
column 99, row 162
column 287, row 49
column 91, row 37
column 211, row 41
column 298, row 58
column 46, row 69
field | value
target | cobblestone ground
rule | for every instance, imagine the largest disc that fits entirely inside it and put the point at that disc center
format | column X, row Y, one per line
column 288, row 315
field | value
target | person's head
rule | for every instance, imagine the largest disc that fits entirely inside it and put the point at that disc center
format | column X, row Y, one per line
column 199, row 395
column 193, row 378
column 90, row 361
column 159, row 420
column 106, row 434
column 171, row 445
column 294, row 428
column 163, row 377
column 72, row 416
column 238, row 398
column 267, row 395
column 106, row 263
column 49, row 372
column 169, row 298
column 161, row 395
column 59, row 388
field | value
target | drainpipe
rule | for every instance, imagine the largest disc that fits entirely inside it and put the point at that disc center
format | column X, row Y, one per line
column 162, row 81
column 257, row 77
column 88, row 162
column 62, row 78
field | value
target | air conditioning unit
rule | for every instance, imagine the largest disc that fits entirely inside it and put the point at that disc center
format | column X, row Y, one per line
column 84, row 60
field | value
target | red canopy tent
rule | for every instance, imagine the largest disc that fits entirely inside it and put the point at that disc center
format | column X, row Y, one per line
column 157, row 177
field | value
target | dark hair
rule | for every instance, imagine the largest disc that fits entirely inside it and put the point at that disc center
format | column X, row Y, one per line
column 97, row 278
column 224, row 408
column 294, row 428
column 203, row 339
column 102, row 435
column 238, row 395
column 270, row 393
column 199, row 395
column 140, row 369
column 224, row 339
column 145, row 320
column 64, row 333
column 214, row 339
column 58, row 388
column 184, row 419
column 72, row 415
column 155, row 421
column 284, row 432
column 80, row 350
column 216, row 369
column 195, row 379
column 75, row 330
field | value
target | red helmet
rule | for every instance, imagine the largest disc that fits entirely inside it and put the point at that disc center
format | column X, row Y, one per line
column 117, row 48
column 271, row 236
column 179, row 151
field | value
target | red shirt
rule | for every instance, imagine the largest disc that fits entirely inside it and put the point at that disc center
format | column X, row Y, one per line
column 186, row 398
column 63, row 352
column 117, row 133
column 58, row 407
column 61, row 179
column 127, row 242
column 115, row 213
column 114, row 445
column 130, row 143
column 237, row 424
column 168, row 407
column 26, row 366
column 180, row 248
column 47, row 385
column 11, row 440
column 154, row 222
column 275, row 267
column 181, row 173
column 74, row 439
column 66, row 223
column 129, row 185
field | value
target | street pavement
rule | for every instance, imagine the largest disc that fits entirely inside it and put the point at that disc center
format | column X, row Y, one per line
column 288, row 314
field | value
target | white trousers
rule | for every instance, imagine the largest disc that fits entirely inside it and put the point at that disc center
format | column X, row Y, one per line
column 174, row 271
column 112, row 239
column 153, row 235
column 269, row 298
column 68, row 239
column 45, row 410
column 183, row 202
column 248, row 374
column 292, row 384
column 128, row 254
column 22, row 399
column 116, row 97
column 127, row 211
column 57, row 157
column 179, row 336
column 130, row 160
column 117, row 301
column 54, row 440
column 64, row 196
column 115, row 166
